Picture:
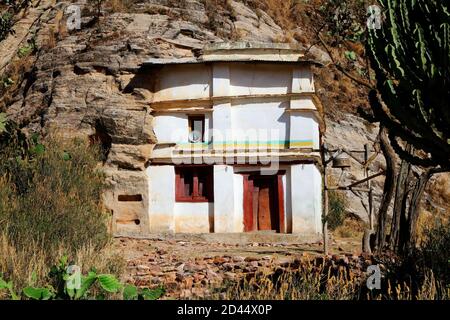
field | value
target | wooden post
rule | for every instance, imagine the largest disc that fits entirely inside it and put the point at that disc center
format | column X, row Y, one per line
column 369, row 185
column 325, row 208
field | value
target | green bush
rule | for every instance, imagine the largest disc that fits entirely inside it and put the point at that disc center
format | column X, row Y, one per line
column 434, row 252
column 52, row 196
column 337, row 204
column 50, row 206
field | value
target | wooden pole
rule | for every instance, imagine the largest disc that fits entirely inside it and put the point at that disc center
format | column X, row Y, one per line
column 369, row 185
column 325, row 207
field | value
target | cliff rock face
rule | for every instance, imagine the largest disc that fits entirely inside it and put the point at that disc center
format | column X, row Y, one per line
column 89, row 82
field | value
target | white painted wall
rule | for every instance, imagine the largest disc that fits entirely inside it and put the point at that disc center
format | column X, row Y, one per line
column 194, row 217
column 302, row 186
column 306, row 188
column 224, row 206
column 167, row 215
column 258, row 78
column 161, row 182
column 238, row 199
column 302, row 79
column 178, row 82
column 174, row 127
column 304, row 130
column 262, row 121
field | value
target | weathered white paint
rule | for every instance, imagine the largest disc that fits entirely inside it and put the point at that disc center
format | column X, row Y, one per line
column 260, row 122
column 221, row 80
column 306, row 193
column 161, row 180
column 260, row 79
column 302, row 80
column 238, row 199
column 183, row 82
column 224, row 209
column 174, row 127
column 304, row 127
column 194, row 217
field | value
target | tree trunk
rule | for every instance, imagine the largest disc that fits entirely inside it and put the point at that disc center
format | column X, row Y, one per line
column 400, row 202
column 410, row 231
column 388, row 190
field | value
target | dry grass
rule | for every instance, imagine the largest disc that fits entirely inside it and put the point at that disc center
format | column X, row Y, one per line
column 32, row 263
column 124, row 6
column 350, row 228
column 325, row 282
column 50, row 206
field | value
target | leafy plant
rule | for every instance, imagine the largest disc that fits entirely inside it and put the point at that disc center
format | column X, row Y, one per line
column 350, row 55
column 57, row 287
column 8, row 286
column 337, row 203
column 132, row 293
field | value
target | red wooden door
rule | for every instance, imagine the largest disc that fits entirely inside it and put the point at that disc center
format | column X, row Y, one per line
column 265, row 206
column 263, row 203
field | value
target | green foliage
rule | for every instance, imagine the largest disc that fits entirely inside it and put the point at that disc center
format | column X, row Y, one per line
column 2, row 122
column 26, row 49
column 410, row 56
column 8, row 286
column 350, row 55
column 434, row 252
column 344, row 20
column 51, row 193
column 57, row 289
column 337, row 204
column 132, row 293
column 9, row 8
column 50, row 202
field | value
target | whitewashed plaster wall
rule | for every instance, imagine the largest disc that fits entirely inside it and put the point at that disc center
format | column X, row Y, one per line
column 183, row 82
column 193, row 217
column 260, row 79
column 174, row 127
column 224, row 206
column 161, row 180
column 306, row 193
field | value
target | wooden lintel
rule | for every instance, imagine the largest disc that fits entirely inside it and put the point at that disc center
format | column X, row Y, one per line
column 312, row 95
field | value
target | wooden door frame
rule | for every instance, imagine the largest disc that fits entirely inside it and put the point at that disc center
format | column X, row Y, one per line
column 249, row 220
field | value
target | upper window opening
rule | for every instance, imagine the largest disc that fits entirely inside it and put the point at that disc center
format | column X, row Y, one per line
column 196, row 128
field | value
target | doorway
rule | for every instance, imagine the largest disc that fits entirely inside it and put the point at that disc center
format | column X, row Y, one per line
column 263, row 203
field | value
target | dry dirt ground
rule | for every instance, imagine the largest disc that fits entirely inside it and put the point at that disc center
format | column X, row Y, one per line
column 190, row 266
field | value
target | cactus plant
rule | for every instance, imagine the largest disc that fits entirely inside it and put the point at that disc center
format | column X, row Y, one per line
column 410, row 55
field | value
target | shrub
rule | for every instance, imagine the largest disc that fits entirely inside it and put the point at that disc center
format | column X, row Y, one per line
column 50, row 206
column 434, row 252
column 337, row 204
column 54, row 198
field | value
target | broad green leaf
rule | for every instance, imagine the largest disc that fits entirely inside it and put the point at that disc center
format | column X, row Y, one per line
column 109, row 283
column 38, row 293
column 130, row 293
column 86, row 284
column 152, row 294
column 3, row 284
